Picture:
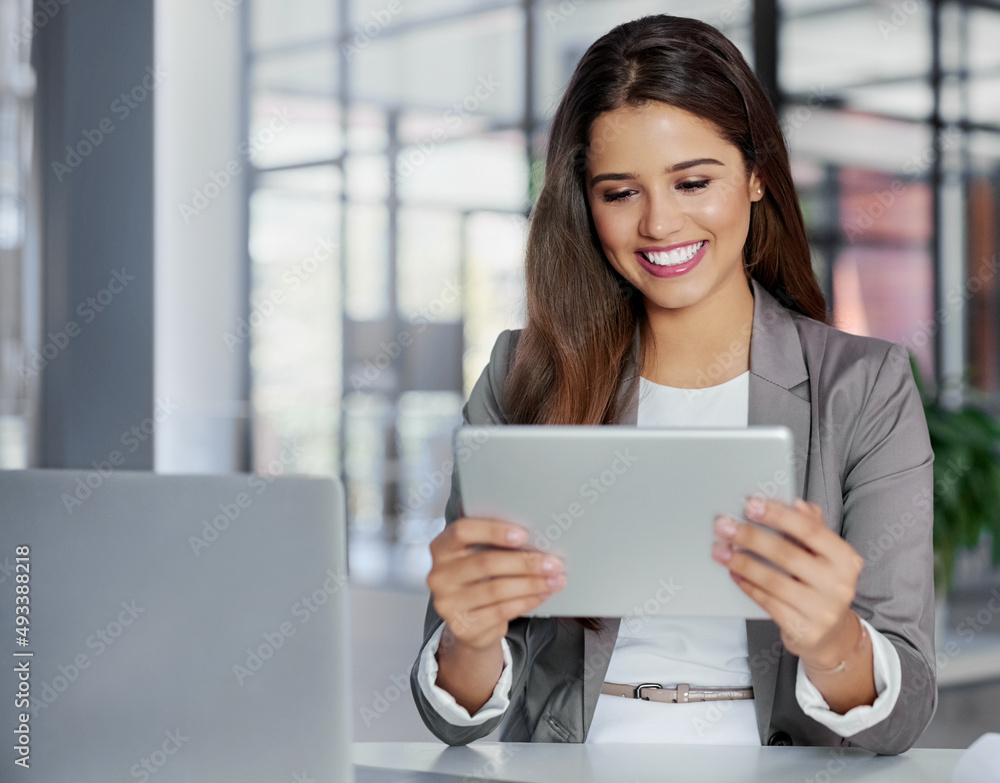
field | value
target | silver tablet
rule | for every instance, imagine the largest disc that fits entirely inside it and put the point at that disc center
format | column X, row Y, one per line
column 629, row 510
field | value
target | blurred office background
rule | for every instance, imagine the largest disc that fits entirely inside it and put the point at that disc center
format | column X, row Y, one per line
column 283, row 236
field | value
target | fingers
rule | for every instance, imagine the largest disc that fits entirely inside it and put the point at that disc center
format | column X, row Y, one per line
column 484, row 627
column 803, row 613
column 460, row 559
column 830, row 566
column 801, row 521
column 479, row 615
column 481, row 579
column 807, row 548
column 750, row 568
column 467, row 532
column 509, row 610
column 809, row 601
column 497, row 592
column 788, row 617
column 509, row 575
column 494, row 563
column 797, row 561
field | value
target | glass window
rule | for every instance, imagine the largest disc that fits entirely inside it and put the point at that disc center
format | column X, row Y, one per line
column 366, row 262
column 879, row 171
column 482, row 172
column 367, row 131
column 277, row 23
column 983, row 33
column 495, row 302
column 410, row 70
column 982, row 289
column 288, row 130
column 911, row 99
column 425, row 425
column 428, row 179
column 984, row 99
column 367, row 440
column 423, row 165
column 430, row 273
column 295, row 316
column 367, row 178
column 883, row 277
column 371, row 14
column 566, row 29
column 309, row 71
column 853, row 45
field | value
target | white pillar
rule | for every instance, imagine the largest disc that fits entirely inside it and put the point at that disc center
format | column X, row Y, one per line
column 199, row 240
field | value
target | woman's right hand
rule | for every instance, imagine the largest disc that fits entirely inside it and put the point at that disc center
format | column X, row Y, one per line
column 483, row 576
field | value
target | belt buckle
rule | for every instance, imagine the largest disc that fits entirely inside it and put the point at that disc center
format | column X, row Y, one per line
column 638, row 689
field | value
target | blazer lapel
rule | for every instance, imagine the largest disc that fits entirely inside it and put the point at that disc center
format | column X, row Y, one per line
column 779, row 380
column 779, row 395
column 597, row 649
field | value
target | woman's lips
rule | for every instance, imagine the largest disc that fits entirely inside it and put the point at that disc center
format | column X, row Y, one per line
column 658, row 270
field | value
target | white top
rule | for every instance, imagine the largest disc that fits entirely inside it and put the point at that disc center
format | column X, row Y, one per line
column 703, row 652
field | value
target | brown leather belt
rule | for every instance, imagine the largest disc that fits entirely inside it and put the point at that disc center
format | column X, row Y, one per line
column 682, row 694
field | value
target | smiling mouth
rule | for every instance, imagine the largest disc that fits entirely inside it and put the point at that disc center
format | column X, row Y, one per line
column 674, row 257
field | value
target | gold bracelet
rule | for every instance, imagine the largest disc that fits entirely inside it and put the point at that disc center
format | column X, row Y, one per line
column 842, row 666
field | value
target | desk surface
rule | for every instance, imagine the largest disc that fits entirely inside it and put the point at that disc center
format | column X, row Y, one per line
column 545, row 763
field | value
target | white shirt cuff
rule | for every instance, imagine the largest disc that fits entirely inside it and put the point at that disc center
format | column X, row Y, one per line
column 444, row 703
column 888, row 677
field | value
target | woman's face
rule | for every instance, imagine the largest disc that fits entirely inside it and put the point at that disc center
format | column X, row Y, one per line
column 670, row 199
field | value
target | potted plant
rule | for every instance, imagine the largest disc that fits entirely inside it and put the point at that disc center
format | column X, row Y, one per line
column 966, row 444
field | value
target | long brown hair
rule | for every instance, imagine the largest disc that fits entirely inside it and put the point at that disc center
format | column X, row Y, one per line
column 570, row 361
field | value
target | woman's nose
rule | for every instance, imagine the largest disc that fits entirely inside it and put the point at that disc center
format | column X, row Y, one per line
column 662, row 215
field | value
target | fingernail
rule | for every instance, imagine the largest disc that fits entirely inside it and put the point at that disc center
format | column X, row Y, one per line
column 516, row 537
column 557, row 581
column 725, row 527
column 722, row 553
column 753, row 508
column 550, row 565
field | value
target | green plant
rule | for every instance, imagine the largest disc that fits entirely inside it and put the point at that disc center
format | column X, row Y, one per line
column 966, row 444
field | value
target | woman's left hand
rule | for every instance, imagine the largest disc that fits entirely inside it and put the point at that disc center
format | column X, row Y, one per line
column 811, row 604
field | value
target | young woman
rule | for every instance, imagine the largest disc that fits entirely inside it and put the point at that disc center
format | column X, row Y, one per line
column 669, row 284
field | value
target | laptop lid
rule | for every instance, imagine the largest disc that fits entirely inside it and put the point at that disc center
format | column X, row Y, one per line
column 173, row 628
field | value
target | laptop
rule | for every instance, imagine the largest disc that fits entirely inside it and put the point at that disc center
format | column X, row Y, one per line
column 629, row 510
column 173, row 628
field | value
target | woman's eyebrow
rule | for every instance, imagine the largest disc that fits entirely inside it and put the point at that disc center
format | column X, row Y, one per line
column 687, row 164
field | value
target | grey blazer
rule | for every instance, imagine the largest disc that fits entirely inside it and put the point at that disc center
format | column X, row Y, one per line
column 862, row 453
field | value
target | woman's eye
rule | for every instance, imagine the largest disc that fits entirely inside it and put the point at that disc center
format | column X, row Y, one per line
column 699, row 185
column 611, row 198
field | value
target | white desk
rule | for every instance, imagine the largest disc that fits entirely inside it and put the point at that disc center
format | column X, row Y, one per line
column 553, row 763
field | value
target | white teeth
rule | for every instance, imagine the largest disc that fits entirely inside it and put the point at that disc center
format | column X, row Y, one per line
column 674, row 257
